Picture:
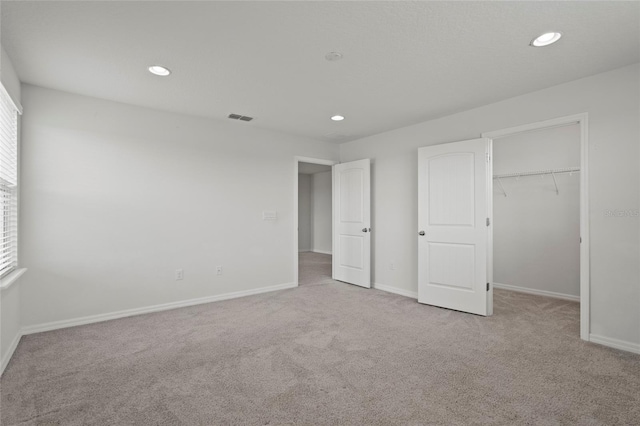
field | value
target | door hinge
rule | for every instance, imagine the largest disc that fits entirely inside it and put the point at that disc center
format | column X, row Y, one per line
column 488, row 221
column 487, row 286
column 488, row 158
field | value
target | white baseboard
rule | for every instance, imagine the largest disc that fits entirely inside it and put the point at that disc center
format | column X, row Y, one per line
column 12, row 348
column 322, row 252
column 38, row 328
column 396, row 290
column 537, row 292
column 303, row 250
column 615, row 343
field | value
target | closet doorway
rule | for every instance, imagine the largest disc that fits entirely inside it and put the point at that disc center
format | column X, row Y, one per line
column 540, row 217
column 314, row 221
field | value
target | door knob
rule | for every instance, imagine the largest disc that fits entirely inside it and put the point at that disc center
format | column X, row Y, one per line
column 421, row 233
column 365, row 230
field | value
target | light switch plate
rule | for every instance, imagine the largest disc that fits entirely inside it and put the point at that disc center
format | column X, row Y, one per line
column 269, row 215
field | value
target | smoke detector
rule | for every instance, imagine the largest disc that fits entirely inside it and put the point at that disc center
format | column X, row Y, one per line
column 333, row 56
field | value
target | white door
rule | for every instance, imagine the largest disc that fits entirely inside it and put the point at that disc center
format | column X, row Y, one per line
column 352, row 223
column 454, row 182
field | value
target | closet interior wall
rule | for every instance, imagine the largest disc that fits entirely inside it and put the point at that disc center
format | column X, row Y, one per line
column 537, row 223
column 304, row 212
column 314, row 211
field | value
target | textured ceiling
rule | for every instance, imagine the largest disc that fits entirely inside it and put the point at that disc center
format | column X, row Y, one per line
column 404, row 62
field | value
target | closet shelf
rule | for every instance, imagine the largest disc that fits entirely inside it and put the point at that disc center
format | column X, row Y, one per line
column 539, row 172
column 552, row 172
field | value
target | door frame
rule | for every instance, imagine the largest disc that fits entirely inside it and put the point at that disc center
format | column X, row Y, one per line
column 296, row 160
column 581, row 120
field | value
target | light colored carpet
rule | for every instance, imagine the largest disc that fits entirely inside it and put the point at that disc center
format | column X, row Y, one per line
column 314, row 268
column 325, row 354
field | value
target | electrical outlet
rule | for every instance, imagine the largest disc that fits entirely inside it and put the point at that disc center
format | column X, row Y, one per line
column 219, row 270
column 392, row 265
column 179, row 274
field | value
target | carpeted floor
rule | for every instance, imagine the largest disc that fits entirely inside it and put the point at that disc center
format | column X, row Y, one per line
column 327, row 353
column 314, row 268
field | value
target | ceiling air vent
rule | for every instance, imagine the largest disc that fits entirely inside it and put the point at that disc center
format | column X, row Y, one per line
column 240, row 117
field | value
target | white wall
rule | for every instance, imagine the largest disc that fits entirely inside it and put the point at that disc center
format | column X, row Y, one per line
column 314, row 212
column 116, row 197
column 536, row 233
column 304, row 212
column 8, row 76
column 9, row 297
column 321, row 224
column 612, row 100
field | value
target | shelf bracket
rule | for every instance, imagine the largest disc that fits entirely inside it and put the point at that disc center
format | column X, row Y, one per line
column 501, row 187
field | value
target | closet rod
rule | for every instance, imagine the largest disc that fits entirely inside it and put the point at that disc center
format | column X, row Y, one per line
column 539, row 172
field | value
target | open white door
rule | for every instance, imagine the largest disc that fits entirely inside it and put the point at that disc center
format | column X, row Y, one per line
column 352, row 222
column 453, row 219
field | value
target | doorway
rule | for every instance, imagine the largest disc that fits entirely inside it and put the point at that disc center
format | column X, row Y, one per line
column 313, row 221
column 540, row 235
column 455, row 196
column 350, row 220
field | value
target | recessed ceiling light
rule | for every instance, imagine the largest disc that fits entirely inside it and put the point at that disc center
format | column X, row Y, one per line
column 159, row 70
column 337, row 118
column 546, row 39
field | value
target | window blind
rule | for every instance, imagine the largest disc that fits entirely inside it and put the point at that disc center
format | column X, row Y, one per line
column 8, row 183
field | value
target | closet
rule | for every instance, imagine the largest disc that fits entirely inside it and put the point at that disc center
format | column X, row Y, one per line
column 536, row 212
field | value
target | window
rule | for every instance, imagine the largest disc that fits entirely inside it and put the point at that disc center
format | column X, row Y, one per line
column 8, row 183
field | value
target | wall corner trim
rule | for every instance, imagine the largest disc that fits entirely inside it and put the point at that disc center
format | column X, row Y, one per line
column 615, row 343
column 55, row 325
column 396, row 290
column 7, row 357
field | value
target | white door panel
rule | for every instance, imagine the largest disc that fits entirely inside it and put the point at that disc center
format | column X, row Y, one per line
column 451, row 185
column 352, row 217
column 452, row 213
column 456, row 265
